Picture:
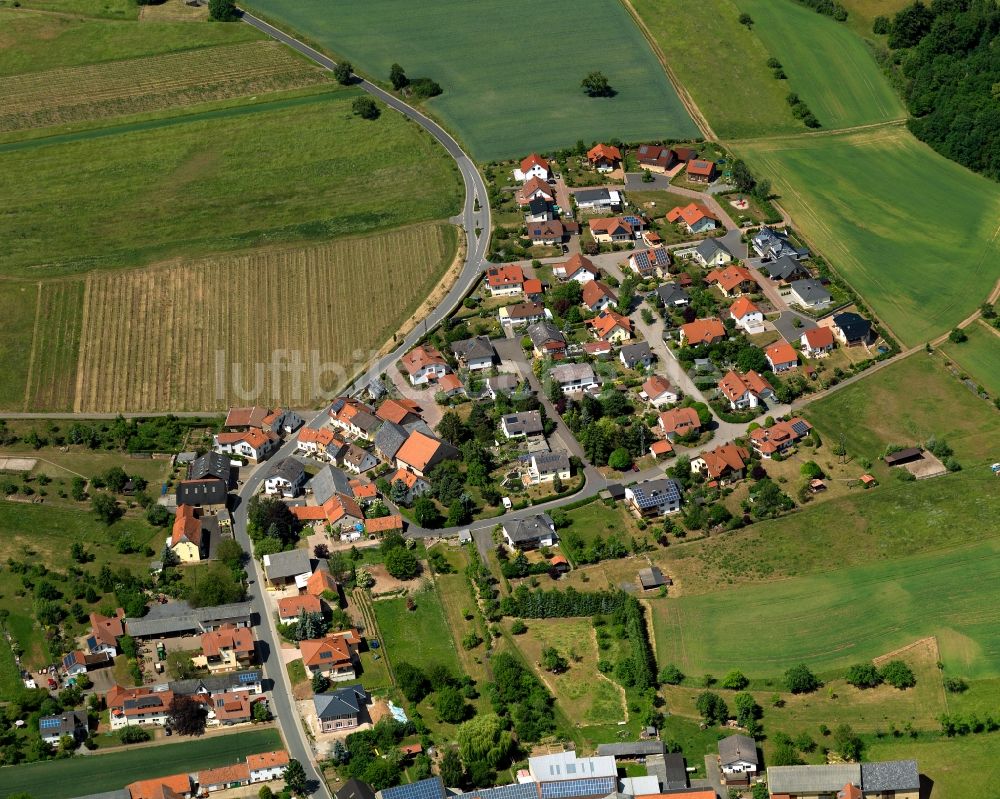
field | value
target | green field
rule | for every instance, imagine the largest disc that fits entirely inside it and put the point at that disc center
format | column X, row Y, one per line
column 230, row 182
column 420, row 636
column 833, row 619
column 56, row 779
column 979, row 356
column 827, row 65
column 913, row 233
column 958, row 768
column 510, row 71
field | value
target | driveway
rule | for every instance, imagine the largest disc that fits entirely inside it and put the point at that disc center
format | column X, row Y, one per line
column 785, row 324
column 424, row 397
column 633, row 181
column 714, row 775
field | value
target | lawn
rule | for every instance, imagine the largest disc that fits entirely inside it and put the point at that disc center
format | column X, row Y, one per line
column 420, row 636
column 456, row 598
column 958, row 768
column 225, row 183
column 913, row 233
column 520, row 91
column 832, row 619
column 722, row 64
column 109, row 772
column 827, row 64
column 18, row 310
column 585, row 695
column 880, row 410
column 979, row 356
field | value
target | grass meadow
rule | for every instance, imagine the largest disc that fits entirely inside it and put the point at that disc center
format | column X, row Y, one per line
column 913, row 233
column 419, row 636
column 510, row 71
column 957, row 767
column 109, row 772
column 827, row 65
column 979, row 356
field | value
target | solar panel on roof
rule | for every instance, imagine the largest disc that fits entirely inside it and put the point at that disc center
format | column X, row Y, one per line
column 800, row 427
column 431, row 788
column 566, row 789
column 515, row 791
column 248, row 677
column 50, row 724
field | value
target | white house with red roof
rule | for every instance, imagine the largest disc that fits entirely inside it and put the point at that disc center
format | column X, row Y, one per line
column 657, row 391
column 744, row 390
column 604, row 157
column 535, row 189
column 534, row 166
column 597, row 296
column 817, row 342
column 253, row 444
column 695, row 217
column 782, row 356
column 505, row 281
column 747, row 316
column 424, row 364
column 577, row 267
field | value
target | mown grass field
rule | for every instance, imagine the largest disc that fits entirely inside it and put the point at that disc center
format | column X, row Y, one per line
column 827, row 64
column 338, row 300
column 979, row 356
column 510, row 71
column 420, row 636
column 220, row 184
column 914, row 233
column 18, row 311
column 54, row 779
column 723, row 65
column 109, row 89
column 957, row 767
column 55, row 345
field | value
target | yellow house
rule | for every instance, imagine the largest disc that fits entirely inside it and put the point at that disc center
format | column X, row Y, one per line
column 188, row 540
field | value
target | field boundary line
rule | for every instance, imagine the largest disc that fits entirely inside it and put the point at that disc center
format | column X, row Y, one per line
column 29, row 380
column 80, row 357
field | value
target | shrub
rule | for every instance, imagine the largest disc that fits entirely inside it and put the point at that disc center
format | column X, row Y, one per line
column 955, row 685
column 365, row 108
column 735, row 681
column 863, row 675
column 800, row 680
column 898, row 674
column 671, row 675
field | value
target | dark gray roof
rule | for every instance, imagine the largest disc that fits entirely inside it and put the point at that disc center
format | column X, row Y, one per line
column 330, row 480
column 854, row 327
column 671, row 293
column 473, row 348
column 651, row 577
column 529, row 529
column 524, row 790
column 343, row 702
column 211, row 464
column 288, row 469
column 670, row 769
column 592, row 196
column 389, row 438
column 64, row 724
column 784, row 268
column 366, row 422
column 550, row 461
column 505, row 383
column 179, row 617
column 813, row 779
column 736, row 748
column 206, row 491
column 811, row 291
column 651, row 493
column 527, row 423
column 217, row 684
column 633, row 353
column 633, row 749
column 355, row 789
column 774, row 243
column 890, row 775
column 709, row 247
column 539, row 205
column 288, row 564
column 543, row 332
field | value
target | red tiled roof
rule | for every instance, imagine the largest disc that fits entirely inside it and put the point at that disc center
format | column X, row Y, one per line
column 327, row 651
column 742, row 307
column 594, row 290
column 691, row 214
column 730, row 278
column 534, row 160
column 725, row 458
column 246, row 417
column 238, row 772
column 255, row 437
column 175, row 785
column 606, row 322
column 418, row 450
column 384, row 524
column 655, row 386
column 409, row 479
column 532, row 185
column 680, row 420
column 363, row 490
column 294, row 605
column 575, row 263
column 419, row 357
column 532, row 286
column 661, row 447
column 506, row 275
column 608, row 226
column 780, row 434
column 107, row 629
column 319, row 581
column 700, row 168
column 781, row 352
column 267, row 760
column 604, row 152
column 703, row 331
column 819, row 337
column 396, row 410
column 450, row 382
column 237, row 639
column 187, row 527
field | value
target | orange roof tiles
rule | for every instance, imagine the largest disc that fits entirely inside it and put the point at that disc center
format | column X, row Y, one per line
column 734, row 385
column 384, row 524
column 594, row 290
column 603, row 152
column 254, row 437
column 781, row 352
column 319, row 581
column 701, row 168
column 186, row 526
column 450, row 382
column 533, row 185
column 742, row 307
column 819, row 337
column 308, row 513
column 661, row 447
column 680, row 421
column 160, row 787
column 419, row 357
column 294, row 605
column 725, row 458
column 267, row 760
column 246, row 417
column 703, row 331
column 779, row 435
column 396, row 410
column 409, row 479
column 107, row 629
column 534, row 160
column 655, row 386
column 609, row 225
column 238, row 772
column 690, row 214
column 331, row 650
column 503, row 276
column 418, row 450
column 363, row 490
column 227, row 637
column 607, row 321
column 532, row 285
column 731, row 277
column 323, row 436
column 575, row 263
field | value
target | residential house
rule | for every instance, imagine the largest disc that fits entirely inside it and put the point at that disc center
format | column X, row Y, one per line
column 738, row 759
column 282, row 568
column 332, row 656
column 505, row 280
column 267, row 766
column 355, row 789
column 600, row 200
column 400, row 411
column 290, row 608
column 547, row 339
column 636, row 356
column 809, row 293
column 287, row 478
column 673, row 296
column 389, row 439
column 534, row 166
column 747, row 316
column 577, row 267
column 226, row 649
column 852, row 330
column 817, row 342
column 657, row 391
column 597, row 296
column 175, row 786
column 725, row 463
column 604, row 157
column 647, row 263
column 702, row 331
column 223, row 777
column 383, row 525
column 504, row 384
column 327, row 483
column 342, row 709
column 188, row 541
column 661, row 448
column 611, row 326
column 745, row 390
column 606, row 230
column 209, row 493
column 574, row 377
column 898, row 779
column 70, row 724
column 322, row 583
column 601, row 350
column 522, row 313
column 544, row 467
column 785, row 269
column 278, row 421
column 539, row 210
column 546, row 233
column 424, row 364
column 522, row 425
column 781, row 356
column 712, row 252
column 533, row 289
column 358, row 460
column 321, row 443
column 732, row 280
column 474, row 354
column 772, row 244
column 779, row 437
column 529, row 533
column 144, row 707
column 694, row 217
column 450, row 386
column 652, row 498
column 253, row 444
column 679, row 422
column 415, row 486
column 80, row 662
column 421, row 452
column 105, row 632
column 700, row 171
column 354, row 417
column 535, row 188
column 661, row 159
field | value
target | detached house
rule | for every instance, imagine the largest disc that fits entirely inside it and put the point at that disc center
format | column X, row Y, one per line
column 646, row 263
column 745, row 390
column 712, row 252
column 505, row 281
column 520, row 425
column 551, row 232
column 636, row 356
column 544, row 467
column 679, row 422
column 573, row 377
column 341, row 709
column 474, row 354
column 577, row 267
column 781, row 356
column 779, row 437
column 817, row 342
column 785, row 269
column 613, row 229
column 401, row 411
column 72, row 724
column 187, row 540
column 732, row 280
column 662, row 159
column 725, row 463
column 535, row 188
column 597, row 296
column 226, row 649
column 809, row 293
column 530, row 533
column 699, row 171
column 522, row 313
column 332, row 656
column 415, row 486
column 604, row 157
column 534, row 166
column 105, row 632
column 601, row 200
column 695, row 217
column 673, row 296
column 424, row 364
column 287, row 478
column 547, row 339
column 291, row 607
column 747, row 316
column 421, row 452
column 253, row 444
column 738, row 759
column 851, row 329
column 653, row 498
column 611, row 326
column 657, row 391
column 772, row 244
column 702, row 331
